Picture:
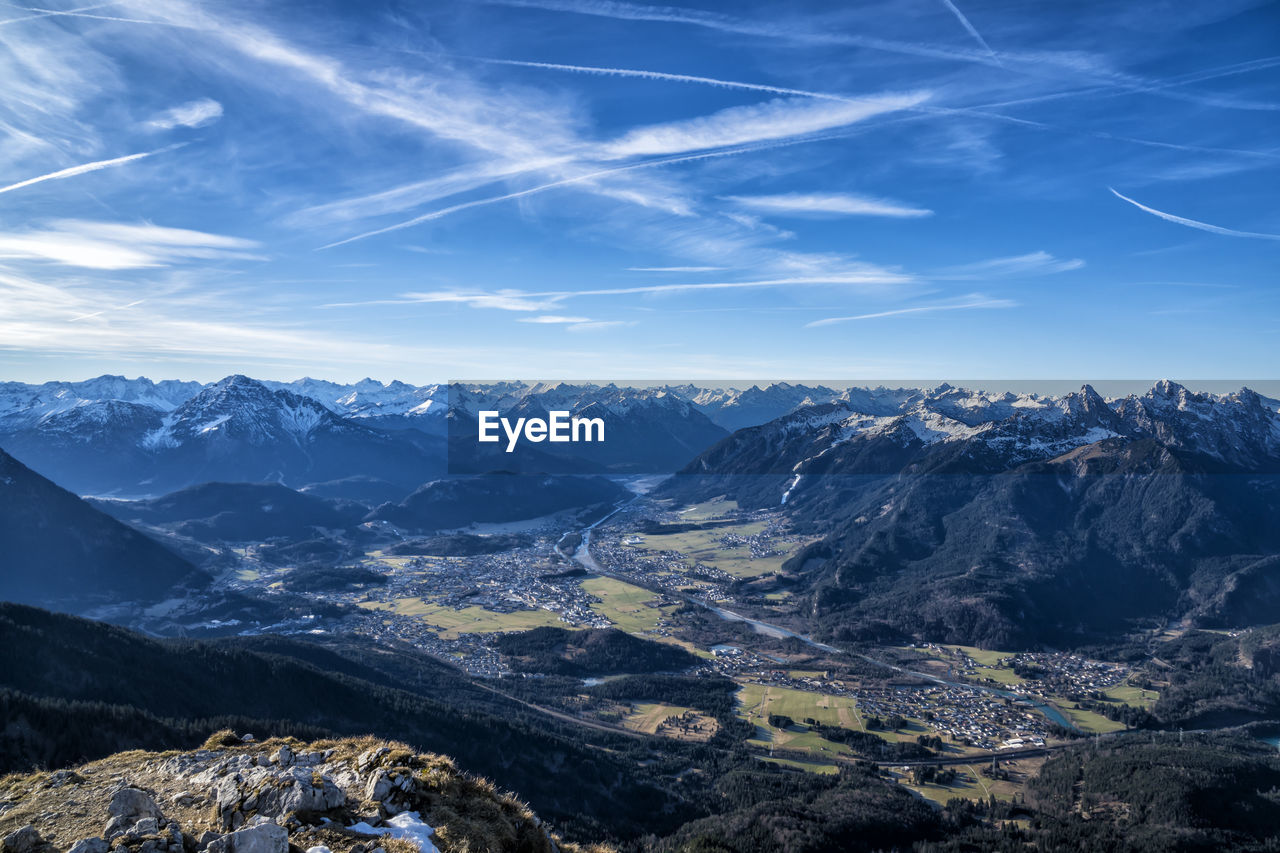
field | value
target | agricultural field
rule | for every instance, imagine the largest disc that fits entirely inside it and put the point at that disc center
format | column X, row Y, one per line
column 1133, row 695
column 970, row 784
column 655, row 718
column 469, row 620
column 757, row 701
column 380, row 559
column 707, row 510
column 625, row 605
column 990, row 664
column 704, row 546
column 820, row 767
column 1088, row 721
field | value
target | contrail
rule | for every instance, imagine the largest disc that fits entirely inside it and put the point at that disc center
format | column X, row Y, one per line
column 49, row 13
column 663, row 161
column 82, row 169
column 1030, row 65
column 973, row 31
column 924, row 309
column 1192, row 223
column 105, row 310
column 662, row 75
column 80, row 13
column 979, row 111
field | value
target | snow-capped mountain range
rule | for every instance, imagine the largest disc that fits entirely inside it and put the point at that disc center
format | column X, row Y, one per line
column 112, row 434
column 1240, row 430
column 998, row 519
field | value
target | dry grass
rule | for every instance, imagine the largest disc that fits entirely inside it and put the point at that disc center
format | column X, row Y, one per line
column 470, row 813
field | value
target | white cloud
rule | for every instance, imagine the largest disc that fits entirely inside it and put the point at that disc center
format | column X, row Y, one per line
column 198, row 113
column 177, row 319
column 829, row 204
column 781, row 118
column 82, row 169
column 1033, row 263
column 970, row 302
column 502, row 300
column 871, row 275
column 554, row 318
column 969, row 27
column 675, row 269
column 599, row 325
column 445, row 106
column 1067, row 64
column 116, row 246
column 1192, row 223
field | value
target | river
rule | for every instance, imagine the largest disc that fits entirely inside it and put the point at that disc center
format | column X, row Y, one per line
column 584, row 557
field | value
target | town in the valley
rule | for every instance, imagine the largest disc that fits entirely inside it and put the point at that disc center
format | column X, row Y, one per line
column 688, row 576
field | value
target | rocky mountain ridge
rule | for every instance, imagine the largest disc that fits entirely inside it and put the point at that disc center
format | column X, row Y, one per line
column 235, row 795
column 1017, row 521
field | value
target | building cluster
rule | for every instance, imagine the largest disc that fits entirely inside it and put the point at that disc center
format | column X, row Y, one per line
column 971, row 717
column 1059, row 674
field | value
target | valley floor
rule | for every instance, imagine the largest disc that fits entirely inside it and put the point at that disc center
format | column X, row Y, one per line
column 684, row 583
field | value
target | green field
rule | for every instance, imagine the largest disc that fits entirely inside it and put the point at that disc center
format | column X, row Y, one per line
column 807, row 766
column 1136, row 697
column 757, row 701
column 1088, row 721
column 646, row 716
column 625, row 605
column 469, row 620
column 990, row 664
column 703, row 546
column 969, row 785
column 707, row 509
column 983, row 657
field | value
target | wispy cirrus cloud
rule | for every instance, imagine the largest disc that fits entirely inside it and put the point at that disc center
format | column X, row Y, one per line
column 506, row 299
column 599, row 325
column 772, row 120
column 968, row 303
column 82, row 12
column 1192, row 223
column 829, row 204
column 635, row 73
column 194, row 320
column 675, row 269
column 84, row 168
column 445, row 107
column 198, row 113
column 841, row 273
column 970, row 28
column 980, row 111
column 120, row 246
column 1051, row 64
column 730, row 132
column 586, row 178
column 554, row 319
column 774, row 29
column 1032, row 263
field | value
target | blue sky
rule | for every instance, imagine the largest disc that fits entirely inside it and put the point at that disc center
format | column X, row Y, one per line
column 570, row 188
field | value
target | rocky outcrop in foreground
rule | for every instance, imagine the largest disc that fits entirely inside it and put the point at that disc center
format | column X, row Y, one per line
column 281, row 796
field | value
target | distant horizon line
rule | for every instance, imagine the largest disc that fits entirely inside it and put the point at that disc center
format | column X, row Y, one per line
column 1040, row 386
